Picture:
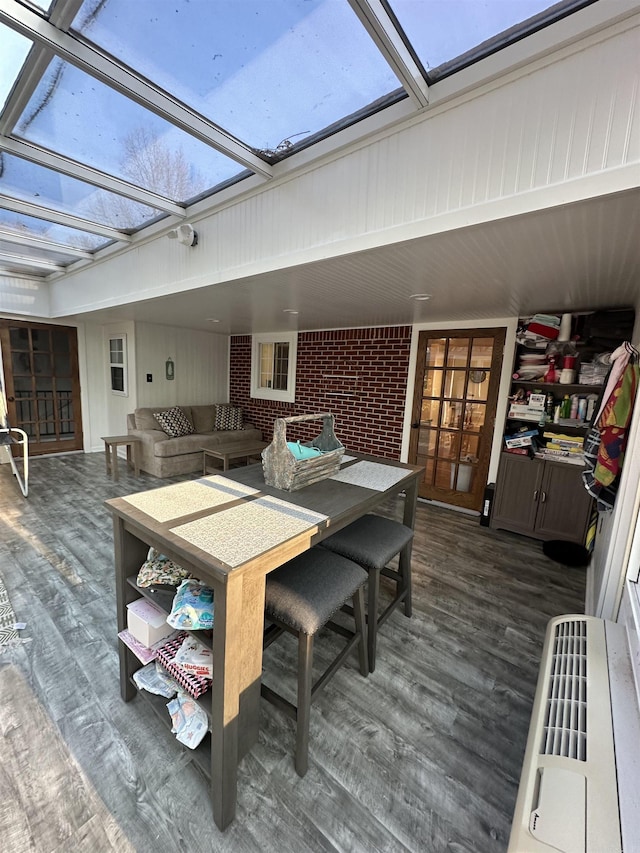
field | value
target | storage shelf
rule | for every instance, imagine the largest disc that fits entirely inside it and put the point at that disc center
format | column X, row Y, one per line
column 574, row 388
column 202, row 753
column 162, row 596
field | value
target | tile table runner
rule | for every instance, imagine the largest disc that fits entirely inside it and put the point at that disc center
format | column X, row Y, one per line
column 242, row 532
column 7, row 618
column 182, row 499
column 371, row 475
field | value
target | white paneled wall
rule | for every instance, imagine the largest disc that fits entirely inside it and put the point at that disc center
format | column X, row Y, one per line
column 544, row 135
column 201, row 363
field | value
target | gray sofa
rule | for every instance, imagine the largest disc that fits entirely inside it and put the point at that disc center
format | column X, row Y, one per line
column 162, row 456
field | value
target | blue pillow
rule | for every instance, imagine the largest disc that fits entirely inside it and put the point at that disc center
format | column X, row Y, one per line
column 300, row 451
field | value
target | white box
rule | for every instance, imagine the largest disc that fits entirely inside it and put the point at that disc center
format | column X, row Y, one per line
column 146, row 622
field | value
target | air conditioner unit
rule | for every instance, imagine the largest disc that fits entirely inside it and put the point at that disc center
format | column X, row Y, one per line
column 568, row 798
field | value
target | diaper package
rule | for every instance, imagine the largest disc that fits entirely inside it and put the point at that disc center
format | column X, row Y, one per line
column 189, row 720
column 195, row 657
column 192, row 606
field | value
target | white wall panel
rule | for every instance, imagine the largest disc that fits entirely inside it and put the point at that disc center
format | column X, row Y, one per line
column 28, row 297
column 516, row 142
column 201, row 362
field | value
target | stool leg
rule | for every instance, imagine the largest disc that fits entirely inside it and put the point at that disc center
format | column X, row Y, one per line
column 404, row 567
column 305, row 683
column 372, row 615
column 114, row 463
column 361, row 628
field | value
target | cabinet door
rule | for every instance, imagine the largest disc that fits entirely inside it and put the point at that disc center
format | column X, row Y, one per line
column 517, row 489
column 564, row 505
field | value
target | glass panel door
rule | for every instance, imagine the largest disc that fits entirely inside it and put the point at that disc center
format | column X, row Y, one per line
column 42, row 384
column 457, row 377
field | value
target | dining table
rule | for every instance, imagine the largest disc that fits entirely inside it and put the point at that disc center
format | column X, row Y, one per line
column 229, row 531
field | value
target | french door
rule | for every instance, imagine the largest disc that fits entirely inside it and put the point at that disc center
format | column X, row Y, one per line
column 455, row 399
column 42, row 384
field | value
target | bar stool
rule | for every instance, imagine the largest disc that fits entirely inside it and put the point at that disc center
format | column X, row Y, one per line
column 373, row 541
column 301, row 597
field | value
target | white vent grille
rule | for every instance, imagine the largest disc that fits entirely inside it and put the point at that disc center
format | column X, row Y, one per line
column 565, row 727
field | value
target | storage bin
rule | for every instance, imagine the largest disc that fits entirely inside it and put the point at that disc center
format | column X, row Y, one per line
column 146, row 622
column 282, row 469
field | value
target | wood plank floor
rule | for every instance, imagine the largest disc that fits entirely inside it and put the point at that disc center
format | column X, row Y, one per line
column 422, row 756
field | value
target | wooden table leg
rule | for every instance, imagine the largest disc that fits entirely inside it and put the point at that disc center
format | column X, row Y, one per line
column 235, row 699
column 107, row 457
column 114, row 463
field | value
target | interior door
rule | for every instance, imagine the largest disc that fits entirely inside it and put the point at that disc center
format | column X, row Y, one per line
column 42, row 384
column 455, row 399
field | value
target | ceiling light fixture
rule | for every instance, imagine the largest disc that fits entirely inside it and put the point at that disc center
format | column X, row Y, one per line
column 185, row 234
column 211, row 320
column 290, row 311
column 421, row 297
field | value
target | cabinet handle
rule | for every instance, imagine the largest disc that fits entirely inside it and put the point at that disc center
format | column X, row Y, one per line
column 535, row 495
column 543, row 497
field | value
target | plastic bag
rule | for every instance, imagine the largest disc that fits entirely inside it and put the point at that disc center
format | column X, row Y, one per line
column 154, row 679
column 158, row 568
column 189, row 720
column 192, row 606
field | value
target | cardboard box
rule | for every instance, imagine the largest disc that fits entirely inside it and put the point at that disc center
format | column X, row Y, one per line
column 146, row 622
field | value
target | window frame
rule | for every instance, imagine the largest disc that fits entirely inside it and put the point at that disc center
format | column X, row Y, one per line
column 120, row 336
column 257, row 391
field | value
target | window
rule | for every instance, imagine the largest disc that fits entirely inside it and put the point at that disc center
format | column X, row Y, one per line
column 118, row 365
column 273, row 367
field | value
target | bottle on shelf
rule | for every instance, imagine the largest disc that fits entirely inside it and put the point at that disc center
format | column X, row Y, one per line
column 565, row 408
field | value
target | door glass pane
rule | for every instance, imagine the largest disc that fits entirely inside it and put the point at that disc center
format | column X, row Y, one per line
column 457, row 353
column 60, row 341
column 481, row 352
column 66, row 431
column 20, row 362
column 430, row 412
column 45, row 408
column 452, row 415
column 44, row 385
column 462, row 477
column 474, row 415
column 40, row 340
column 42, row 363
column 469, row 446
column 429, row 470
column 65, row 408
column 448, row 445
column 22, row 385
column 478, row 384
column 63, row 386
column 435, row 352
column 432, row 383
column 443, row 475
column 454, row 383
column 427, row 440
column 19, row 338
column 62, row 364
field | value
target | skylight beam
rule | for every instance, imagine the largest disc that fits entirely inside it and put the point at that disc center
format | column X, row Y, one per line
column 37, row 154
column 25, row 261
column 380, row 27
column 113, row 74
column 40, row 243
column 40, row 212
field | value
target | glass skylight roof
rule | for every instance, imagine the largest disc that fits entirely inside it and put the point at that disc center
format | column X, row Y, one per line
column 264, row 71
column 125, row 139
column 150, row 105
column 14, row 49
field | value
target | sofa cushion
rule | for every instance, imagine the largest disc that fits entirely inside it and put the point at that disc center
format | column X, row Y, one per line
column 144, row 416
column 178, row 446
column 174, row 422
column 203, row 418
column 228, row 417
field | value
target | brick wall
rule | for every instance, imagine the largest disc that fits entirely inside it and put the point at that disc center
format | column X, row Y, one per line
column 360, row 375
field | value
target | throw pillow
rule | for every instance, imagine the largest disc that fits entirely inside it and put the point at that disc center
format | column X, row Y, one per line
column 174, row 422
column 228, row 417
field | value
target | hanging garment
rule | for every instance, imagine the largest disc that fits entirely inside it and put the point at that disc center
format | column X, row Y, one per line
column 614, row 425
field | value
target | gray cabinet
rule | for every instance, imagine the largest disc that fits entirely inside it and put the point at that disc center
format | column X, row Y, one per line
column 541, row 498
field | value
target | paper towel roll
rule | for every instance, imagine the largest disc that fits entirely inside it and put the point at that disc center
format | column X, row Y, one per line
column 565, row 328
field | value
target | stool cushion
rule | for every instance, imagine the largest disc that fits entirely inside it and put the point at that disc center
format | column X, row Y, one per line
column 372, row 541
column 305, row 592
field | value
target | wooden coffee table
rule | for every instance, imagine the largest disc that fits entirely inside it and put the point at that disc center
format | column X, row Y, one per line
column 226, row 452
